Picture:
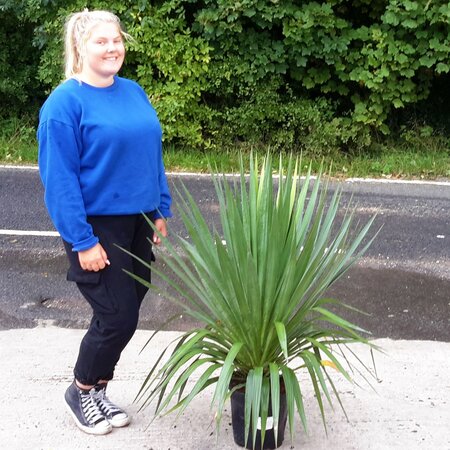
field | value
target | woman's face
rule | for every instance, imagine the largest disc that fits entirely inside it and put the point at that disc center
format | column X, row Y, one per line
column 104, row 56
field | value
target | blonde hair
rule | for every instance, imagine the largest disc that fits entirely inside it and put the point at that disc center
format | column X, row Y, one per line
column 78, row 28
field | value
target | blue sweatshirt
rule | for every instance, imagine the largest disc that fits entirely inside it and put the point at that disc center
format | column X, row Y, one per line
column 100, row 153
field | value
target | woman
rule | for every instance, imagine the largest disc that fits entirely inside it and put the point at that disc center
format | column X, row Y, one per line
column 100, row 160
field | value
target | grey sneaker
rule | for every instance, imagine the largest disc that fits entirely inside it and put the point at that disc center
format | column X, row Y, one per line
column 85, row 411
column 116, row 416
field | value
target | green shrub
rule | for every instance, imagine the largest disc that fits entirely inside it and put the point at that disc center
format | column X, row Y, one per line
column 19, row 87
column 171, row 63
column 285, row 123
column 318, row 76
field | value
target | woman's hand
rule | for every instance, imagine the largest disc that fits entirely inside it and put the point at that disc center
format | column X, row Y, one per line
column 93, row 259
column 161, row 226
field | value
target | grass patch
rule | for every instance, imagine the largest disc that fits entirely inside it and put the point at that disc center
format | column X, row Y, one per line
column 386, row 163
column 401, row 160
column 18, row 142
column 17, row 152
column 396, row 164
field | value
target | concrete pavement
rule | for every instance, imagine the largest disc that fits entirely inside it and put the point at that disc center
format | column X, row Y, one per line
column 409, row 410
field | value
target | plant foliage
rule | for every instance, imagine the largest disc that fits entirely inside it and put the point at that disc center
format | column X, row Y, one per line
column 258, row 287
column 253, row 72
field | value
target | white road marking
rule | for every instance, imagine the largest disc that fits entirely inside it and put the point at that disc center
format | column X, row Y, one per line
column 6, row 166
column 202, row 175
column 29, row 233
column 390, row 181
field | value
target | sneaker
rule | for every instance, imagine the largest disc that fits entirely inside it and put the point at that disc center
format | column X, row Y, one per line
column 85, row 411
column 116, row 417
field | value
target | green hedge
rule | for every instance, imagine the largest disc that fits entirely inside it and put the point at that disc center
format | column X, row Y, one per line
column 317, row 76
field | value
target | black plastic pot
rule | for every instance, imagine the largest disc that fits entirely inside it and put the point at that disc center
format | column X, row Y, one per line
column 238, row 422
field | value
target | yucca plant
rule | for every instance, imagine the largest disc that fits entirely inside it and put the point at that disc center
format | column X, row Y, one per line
column 258, row 287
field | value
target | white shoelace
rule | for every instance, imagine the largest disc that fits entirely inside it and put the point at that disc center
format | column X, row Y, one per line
column 105, row 404
column 90, row 408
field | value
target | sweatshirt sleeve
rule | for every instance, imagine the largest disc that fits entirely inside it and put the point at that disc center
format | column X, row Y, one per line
column 59, row 167
column 165, row 197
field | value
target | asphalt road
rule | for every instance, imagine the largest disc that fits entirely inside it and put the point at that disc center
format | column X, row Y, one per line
column 403, row 281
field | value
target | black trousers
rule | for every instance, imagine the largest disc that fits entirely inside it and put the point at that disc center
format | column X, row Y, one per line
column 115, row 297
